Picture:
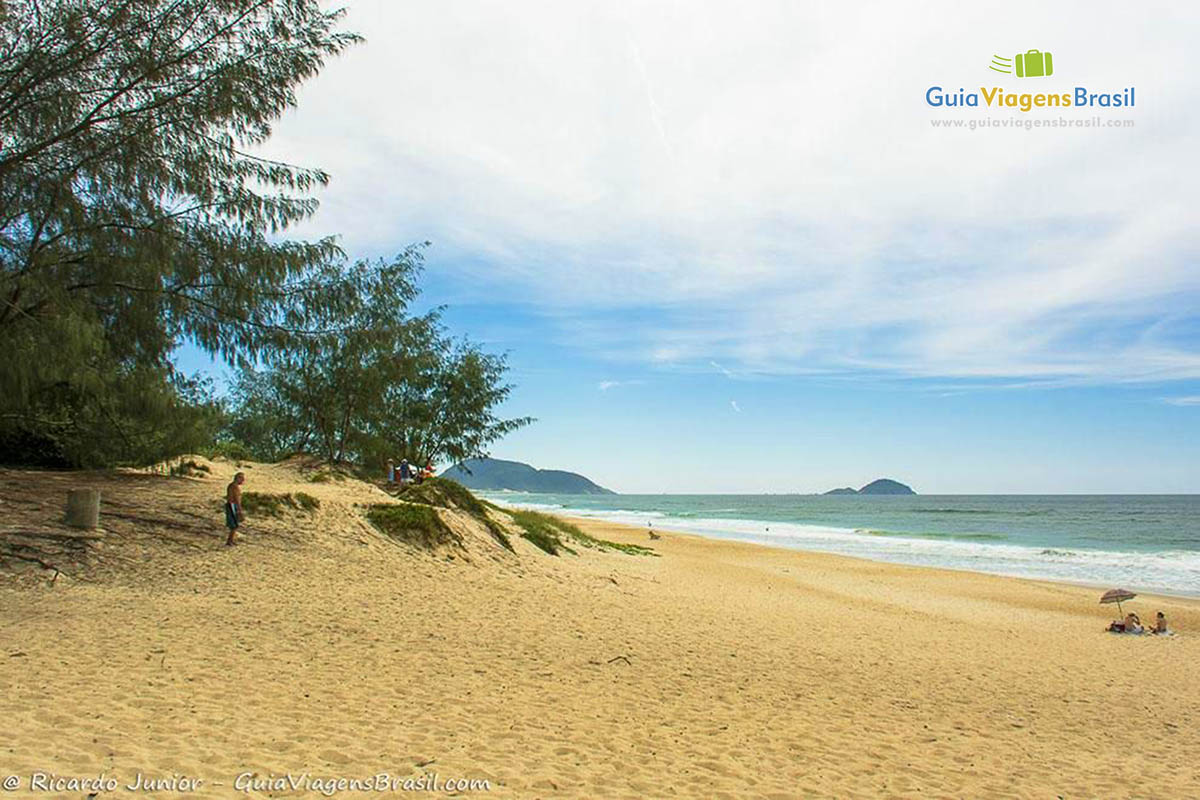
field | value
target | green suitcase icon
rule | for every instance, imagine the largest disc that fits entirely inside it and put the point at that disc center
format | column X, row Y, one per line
column 1034, row 64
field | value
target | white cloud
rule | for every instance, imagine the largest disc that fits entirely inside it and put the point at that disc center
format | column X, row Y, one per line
column 764, row 177
column 604, row 386
column 734, row 405
column 727, row 373
column 1189, row 400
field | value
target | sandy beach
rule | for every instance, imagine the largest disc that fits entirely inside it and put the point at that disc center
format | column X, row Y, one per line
column 715, row 669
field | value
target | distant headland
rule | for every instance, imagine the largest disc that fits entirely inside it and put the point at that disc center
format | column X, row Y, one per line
column 881, row 486
column 496, row 474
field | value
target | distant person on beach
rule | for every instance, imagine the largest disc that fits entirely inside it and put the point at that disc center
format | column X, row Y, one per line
column 1133, row 624
column 233, row 505
column 1160, row 624
column 391, row 471
column 405, row 471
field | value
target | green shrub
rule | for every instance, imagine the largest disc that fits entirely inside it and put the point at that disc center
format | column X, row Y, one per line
column 445, row 493
column 540, row 529
column 414, row 524
column 547, row 533
column 229, row 449
column 261, row 504
column 587, row 540
column 498, row 533
column 189, row 468
column 307, row 502
column 273, row 505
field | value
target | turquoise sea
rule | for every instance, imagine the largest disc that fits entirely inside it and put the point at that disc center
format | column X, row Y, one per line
column 1149, row 542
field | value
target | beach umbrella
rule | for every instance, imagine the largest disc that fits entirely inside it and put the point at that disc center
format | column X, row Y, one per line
column 1116, row 596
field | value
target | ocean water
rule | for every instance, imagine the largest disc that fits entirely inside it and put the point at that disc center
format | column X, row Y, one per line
column 1147, row 542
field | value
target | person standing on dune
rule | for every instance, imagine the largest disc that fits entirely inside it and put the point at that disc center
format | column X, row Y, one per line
column 233, row 505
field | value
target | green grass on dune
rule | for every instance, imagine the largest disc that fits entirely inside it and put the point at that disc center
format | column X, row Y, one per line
column 547, row 533
column 497, row 531
column 587, row 540
column 273, row 505
column 415, row 524
column 306, row 501
column 327, row 473
column 189, row 469
column 444, row 493
column 540, row 529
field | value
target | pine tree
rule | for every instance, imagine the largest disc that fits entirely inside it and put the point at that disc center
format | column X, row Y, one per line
column 134, row 212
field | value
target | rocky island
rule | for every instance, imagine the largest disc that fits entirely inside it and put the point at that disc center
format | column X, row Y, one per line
column 880, row 486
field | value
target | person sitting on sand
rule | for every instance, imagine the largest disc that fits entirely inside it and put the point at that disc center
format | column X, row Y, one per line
column 233, row 505
column 1160, row 624
column 1133, row 624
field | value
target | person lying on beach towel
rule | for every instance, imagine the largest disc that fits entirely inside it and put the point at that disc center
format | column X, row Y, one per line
column 1131, row 624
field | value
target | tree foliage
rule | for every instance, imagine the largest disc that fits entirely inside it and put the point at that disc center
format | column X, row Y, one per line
column 131, row 415
column 136, row 213
column 133, row 214
column 384, row 383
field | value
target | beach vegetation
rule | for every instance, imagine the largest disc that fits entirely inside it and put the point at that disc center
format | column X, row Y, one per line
column 377, row 382
column 412, row 523
column 189, row 468
column 134, row 215
column 137, row 215
column 540, row 530
column 549, row 533
column 306, row 502
column 274, row 505
column 445, row 493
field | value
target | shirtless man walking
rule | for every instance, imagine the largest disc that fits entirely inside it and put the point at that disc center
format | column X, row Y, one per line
column 233, row 505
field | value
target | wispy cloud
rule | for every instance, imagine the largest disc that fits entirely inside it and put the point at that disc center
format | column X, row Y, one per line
column 734, row 405
column 1188, row 400
column 655, row 111
column 807, row 220
column 726, row 372
column 604, row 386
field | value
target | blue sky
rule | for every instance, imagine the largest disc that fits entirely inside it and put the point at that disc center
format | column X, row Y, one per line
column 727, row 251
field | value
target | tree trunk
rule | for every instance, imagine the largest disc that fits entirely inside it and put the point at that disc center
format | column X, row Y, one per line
column 83, row 508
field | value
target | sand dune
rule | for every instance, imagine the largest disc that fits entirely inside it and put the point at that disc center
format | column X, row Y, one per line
column 715, row 670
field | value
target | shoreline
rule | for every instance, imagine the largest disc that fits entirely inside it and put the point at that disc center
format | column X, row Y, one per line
column 638, row 536
column 679, row 526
